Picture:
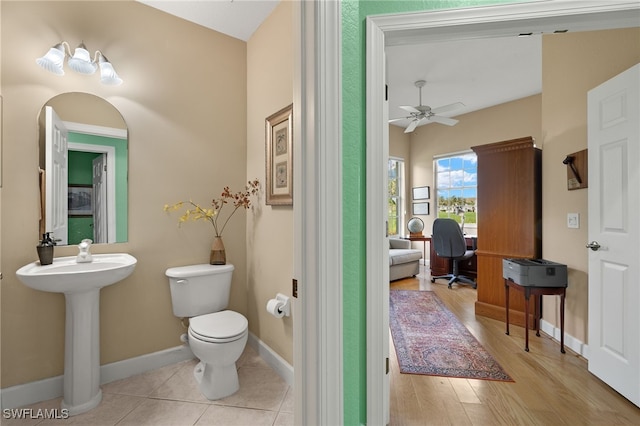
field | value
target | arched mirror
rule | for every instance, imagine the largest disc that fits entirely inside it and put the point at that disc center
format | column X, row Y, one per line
column 83, row 170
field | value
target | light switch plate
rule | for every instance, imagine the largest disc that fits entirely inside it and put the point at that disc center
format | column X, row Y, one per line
column 573, row 220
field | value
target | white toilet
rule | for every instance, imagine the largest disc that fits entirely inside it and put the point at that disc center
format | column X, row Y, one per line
column 216, row 336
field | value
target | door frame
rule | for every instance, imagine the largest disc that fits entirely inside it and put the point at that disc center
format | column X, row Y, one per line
column 317, row 213
column 108, row 132
column 449, row 24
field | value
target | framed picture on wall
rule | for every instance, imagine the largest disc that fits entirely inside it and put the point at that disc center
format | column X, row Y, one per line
column 279, row 158
column 421, row 208
column 421, row 193
column 80, row 200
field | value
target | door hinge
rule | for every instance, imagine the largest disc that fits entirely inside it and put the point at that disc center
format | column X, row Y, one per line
column 386, row 92
column 387, row 366
column 294, row 289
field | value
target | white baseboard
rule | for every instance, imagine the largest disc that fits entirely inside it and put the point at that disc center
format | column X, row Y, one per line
column 570, row 342
column 275, row 361
column 32, row 392
column 141, row 364
column 50, row 388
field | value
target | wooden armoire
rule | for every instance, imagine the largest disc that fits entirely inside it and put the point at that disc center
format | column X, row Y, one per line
column 509, row 221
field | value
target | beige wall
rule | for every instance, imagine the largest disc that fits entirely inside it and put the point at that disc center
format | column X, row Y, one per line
column 184, row 99
column 572, row 64
column 399, row 143
column 400, row 147
column 270, row 231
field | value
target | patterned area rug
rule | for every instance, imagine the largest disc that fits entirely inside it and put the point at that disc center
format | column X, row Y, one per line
column 430, row 340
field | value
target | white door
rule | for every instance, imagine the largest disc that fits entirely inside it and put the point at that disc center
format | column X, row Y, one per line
column 56, row 174
column 100, row 219
column 614, row 231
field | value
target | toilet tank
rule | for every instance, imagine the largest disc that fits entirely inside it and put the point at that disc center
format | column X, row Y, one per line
column 199, row 289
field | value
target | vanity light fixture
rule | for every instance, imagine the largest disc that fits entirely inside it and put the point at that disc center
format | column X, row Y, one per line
column 80, row 62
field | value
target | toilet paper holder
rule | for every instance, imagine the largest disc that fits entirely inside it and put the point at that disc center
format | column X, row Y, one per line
column 284, row 304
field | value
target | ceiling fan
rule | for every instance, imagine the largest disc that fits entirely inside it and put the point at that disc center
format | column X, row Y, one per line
column 420, row 113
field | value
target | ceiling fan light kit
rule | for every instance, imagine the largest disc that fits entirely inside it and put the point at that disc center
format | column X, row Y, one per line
column 421, row 113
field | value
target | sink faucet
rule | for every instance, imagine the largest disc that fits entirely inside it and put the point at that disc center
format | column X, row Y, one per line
column 84, row 256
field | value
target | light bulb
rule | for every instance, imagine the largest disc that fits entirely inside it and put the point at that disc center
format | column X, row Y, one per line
column 81, row 61
column 53, row 60
column 107, row 73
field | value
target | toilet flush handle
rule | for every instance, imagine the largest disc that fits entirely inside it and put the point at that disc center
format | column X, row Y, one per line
column 182, row 281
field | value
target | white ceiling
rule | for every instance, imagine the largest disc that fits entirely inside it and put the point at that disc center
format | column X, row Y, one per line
column 479, row 72
column 236, row 18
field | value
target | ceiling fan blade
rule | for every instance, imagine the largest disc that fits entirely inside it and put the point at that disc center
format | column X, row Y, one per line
column 447, row 108
column 410, row 109
column 443, row 120
column 393, row 120
column 412, row 126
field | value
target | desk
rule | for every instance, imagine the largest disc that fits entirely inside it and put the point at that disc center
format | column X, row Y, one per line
column 443, row 266
column 538, row 292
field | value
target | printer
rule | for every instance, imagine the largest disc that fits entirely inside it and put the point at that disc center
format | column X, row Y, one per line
column 535, row 272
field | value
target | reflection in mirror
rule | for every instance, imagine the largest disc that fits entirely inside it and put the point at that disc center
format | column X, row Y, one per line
column 83, row 162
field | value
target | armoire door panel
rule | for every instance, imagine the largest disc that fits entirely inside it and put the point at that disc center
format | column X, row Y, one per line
column 509, row 219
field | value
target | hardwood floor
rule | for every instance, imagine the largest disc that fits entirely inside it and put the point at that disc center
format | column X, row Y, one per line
column 550, row 388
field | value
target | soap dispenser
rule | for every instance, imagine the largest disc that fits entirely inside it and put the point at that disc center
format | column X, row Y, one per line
column 45, row 249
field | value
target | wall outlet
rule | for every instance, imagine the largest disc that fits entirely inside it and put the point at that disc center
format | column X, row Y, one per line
column 573, row 220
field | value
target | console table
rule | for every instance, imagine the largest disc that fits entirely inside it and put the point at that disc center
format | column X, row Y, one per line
column 537, row 292
column 424, row 242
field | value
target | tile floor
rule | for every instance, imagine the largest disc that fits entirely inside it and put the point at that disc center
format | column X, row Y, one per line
column 170, row 396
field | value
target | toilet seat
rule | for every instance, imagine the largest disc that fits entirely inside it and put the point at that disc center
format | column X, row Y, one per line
column 219, row 327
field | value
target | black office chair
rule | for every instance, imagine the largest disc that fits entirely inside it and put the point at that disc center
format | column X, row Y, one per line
column 448, row 242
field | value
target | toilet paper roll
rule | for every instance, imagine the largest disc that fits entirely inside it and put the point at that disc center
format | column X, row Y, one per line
column 274, row 307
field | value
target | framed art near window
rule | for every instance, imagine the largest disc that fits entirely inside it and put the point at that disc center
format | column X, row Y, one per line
column 279, row 158
column 421, row 208
column 421, row 193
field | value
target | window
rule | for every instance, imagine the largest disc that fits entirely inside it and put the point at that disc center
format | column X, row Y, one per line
column 396, row 189
column 457, row 188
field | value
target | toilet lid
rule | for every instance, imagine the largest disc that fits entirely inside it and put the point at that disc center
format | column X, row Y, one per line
column 219, row 326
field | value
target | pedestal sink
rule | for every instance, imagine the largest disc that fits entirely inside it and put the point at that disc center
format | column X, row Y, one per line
column 81, row 284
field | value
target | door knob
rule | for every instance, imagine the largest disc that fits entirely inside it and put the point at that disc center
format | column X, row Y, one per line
column 593, row 245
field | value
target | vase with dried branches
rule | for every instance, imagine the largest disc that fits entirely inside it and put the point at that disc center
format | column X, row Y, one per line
column 217, row 215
